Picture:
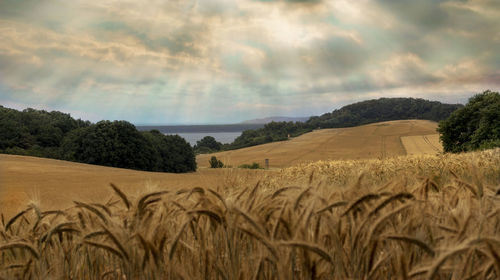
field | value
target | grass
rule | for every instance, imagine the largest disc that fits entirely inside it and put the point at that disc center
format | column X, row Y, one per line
column 413, row 217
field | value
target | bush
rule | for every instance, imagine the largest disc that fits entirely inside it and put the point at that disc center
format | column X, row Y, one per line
column 251, row 166
column 215, row 163
column 475, row 126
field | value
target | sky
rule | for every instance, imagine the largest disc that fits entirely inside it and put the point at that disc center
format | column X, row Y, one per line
column 225, row 61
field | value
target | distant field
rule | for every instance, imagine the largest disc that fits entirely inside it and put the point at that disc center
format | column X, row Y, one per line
column 55, row 183
column 379, row 140
column 422, row 144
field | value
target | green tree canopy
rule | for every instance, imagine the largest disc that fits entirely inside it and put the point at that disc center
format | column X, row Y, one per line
column 475, row 126
column 208, row 143
column 117, row 144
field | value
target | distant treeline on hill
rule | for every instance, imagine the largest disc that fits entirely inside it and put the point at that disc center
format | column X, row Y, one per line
column 384, row 109
column 365, row 112
column 118, row 143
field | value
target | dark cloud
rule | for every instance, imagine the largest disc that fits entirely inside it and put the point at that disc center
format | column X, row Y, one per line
column 338, row 56
column 425, row 14
column 16, row 8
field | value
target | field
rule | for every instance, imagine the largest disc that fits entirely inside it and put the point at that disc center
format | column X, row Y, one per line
column 426, row 216
column 422, row 144
column 379, row 140
column 54, row 184
column 418, row 217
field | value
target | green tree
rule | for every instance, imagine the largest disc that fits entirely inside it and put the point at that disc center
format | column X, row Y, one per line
column 475, row 126
column 207, row 144
column 117, row 144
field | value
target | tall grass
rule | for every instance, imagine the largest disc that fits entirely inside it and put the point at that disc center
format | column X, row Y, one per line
column 432, row 217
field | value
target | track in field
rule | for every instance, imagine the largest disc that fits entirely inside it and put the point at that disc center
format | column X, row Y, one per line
column 422, row 144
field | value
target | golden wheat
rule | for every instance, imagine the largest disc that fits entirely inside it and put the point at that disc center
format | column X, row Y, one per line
column 415, row 217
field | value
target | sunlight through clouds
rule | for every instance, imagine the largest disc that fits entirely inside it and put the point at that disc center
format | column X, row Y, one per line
column 227, row 61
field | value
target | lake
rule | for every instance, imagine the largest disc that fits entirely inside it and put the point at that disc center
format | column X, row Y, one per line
column 223, row 137
column 225, row 133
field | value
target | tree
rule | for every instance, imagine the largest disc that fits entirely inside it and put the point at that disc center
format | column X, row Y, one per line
column 180, row 157
column 207, row 144
column 116, row 144
column 215, row 163
column 475, row 126
column 119, row 143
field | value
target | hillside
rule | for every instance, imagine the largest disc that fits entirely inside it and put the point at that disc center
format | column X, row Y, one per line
column 379, row 140
column 360, row 113
column 384, row 109
column 55, row 184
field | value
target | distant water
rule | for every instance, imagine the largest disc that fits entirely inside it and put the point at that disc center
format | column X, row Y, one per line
column 223, row 137
column 192, row 133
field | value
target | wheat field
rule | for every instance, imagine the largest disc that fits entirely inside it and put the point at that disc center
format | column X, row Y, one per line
column 377, row 140
column 409, row 217
column 422, row 144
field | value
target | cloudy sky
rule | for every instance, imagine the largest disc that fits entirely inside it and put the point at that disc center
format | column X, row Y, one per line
column 224, row 61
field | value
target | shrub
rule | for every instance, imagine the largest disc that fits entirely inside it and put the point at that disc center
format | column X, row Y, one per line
column 254, row 165
column 215, row 163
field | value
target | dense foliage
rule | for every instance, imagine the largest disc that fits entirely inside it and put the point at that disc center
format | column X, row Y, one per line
column 384, row 109
column 117, row 144
column 475, row 126
column 172, row 153
column 271, row 132
column 35, row 132
column 370, row 111
column 206, row 145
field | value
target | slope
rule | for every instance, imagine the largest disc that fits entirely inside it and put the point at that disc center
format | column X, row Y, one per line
column 378, row 140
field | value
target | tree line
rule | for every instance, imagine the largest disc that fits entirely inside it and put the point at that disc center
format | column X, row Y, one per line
column 110, row 143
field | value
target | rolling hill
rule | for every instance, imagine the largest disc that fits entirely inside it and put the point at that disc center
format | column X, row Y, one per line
column 55, row 184
column 378, row 140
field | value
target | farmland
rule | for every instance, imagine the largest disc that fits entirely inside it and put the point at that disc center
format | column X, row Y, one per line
column 379, row 140
column 55, row 184
column 418, row 216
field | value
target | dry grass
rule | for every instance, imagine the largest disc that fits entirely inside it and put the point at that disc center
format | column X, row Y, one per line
column 425, row 217
column 378, row 140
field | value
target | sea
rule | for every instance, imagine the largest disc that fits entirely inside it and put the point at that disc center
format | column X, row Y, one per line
column 224, row 133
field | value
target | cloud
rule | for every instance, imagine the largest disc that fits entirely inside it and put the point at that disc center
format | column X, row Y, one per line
column 225, row 60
